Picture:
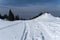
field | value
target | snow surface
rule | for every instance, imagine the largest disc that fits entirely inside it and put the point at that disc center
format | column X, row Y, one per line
column 45, row 27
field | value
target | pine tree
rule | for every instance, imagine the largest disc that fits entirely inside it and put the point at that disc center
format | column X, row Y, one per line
column 17, row 17
column 5, row 16
column 10, row 16
column 0, row 15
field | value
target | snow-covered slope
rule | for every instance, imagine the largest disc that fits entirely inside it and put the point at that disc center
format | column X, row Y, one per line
column 45, row 27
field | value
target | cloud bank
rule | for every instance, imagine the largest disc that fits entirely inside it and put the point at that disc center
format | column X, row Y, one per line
column 29, row 8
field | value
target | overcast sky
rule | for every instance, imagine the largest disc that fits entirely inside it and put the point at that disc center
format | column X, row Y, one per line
column 30, row 7
column 27, row 2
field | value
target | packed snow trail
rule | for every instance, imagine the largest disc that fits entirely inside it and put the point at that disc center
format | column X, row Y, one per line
column 24, row 33
column 9, row 26
column 45, row 27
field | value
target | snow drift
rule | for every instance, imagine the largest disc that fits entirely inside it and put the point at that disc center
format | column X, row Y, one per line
column 45, row 27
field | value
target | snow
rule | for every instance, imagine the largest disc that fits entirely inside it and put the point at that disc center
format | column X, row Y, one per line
column 45, row 27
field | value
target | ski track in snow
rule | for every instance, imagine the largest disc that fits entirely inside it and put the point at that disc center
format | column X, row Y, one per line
column 23, row 33
column 9, row 26
column 45, row 28
column 35, row 30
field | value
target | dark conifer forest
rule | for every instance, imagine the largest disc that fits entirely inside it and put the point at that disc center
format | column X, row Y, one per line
column 11, row 17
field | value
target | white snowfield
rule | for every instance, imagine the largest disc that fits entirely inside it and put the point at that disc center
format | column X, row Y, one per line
column 45, row 27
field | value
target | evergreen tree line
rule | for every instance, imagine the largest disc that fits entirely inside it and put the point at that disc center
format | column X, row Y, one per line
column 11, row 16
column 37, row 15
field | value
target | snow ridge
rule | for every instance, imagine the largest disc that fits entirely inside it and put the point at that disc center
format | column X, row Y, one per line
column 45, row 27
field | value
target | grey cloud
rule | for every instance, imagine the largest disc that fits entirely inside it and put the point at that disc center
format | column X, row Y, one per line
column 31, row 10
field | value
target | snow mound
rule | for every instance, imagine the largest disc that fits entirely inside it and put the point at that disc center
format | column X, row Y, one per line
column 47, row 17
column 45, row 27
